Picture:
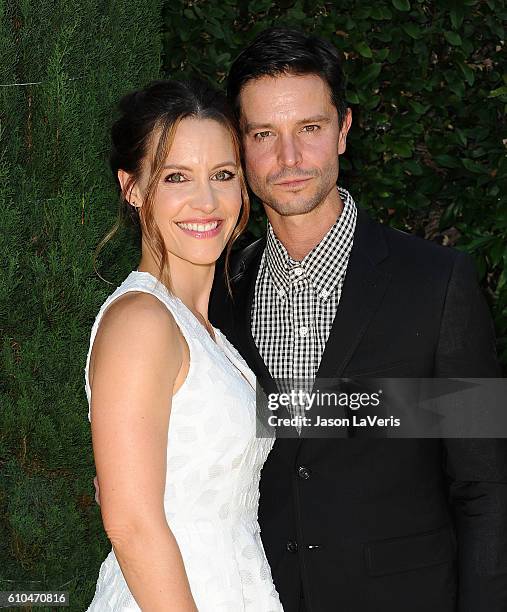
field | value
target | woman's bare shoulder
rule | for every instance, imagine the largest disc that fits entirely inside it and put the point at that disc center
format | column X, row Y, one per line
column 140, row 324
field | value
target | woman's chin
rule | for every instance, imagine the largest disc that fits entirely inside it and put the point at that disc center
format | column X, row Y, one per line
column 202, row 259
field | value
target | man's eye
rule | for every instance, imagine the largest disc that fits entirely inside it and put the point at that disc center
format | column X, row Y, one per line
column 175, row 177
column 262, row 135
column 311, row 128
column 224, row 175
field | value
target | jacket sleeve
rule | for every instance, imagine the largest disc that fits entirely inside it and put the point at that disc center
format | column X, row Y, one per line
column 476, row 468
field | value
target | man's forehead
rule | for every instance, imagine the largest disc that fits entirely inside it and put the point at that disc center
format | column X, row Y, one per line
column 292, row 97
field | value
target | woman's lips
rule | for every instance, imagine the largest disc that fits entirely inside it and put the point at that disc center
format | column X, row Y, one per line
column 201, row 229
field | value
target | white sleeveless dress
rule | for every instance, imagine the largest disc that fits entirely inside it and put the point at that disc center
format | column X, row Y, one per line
column 213, row 469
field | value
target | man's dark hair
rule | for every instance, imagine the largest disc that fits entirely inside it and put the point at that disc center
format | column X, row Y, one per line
column 278, row 51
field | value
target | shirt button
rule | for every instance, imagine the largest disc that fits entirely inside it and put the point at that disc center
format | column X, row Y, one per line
column 304, row 472
column 292, row 546
column 298, row 271
column 281, row 293
column 303, row 331
column 323, row 294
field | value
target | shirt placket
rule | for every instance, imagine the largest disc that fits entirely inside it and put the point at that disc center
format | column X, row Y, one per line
column 302, row 327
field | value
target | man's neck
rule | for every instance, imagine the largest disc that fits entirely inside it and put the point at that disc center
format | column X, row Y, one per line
column 299, row 234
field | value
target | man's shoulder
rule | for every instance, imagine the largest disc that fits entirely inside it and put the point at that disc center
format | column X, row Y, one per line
column 406, row 255
column 410, row 247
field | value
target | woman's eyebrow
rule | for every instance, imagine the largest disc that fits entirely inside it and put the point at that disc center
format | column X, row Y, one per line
column 176, row 167
column 187, row 169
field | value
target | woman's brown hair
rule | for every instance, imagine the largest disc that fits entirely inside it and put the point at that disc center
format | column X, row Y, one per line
column 152, row 113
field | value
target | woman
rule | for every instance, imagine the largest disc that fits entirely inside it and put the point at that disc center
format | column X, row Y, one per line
column 172, row 404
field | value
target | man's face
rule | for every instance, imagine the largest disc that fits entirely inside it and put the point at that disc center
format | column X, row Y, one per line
column 291, row 140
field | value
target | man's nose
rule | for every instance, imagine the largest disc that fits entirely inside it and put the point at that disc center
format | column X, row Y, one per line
column 289, row 153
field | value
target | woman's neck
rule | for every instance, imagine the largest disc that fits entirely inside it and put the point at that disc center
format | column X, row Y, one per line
column 191, row 283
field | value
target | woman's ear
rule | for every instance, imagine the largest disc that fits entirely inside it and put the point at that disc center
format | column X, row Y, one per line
column 130, row 188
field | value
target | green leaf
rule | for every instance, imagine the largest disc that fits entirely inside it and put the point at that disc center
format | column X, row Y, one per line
column 501, row 91
column 414, row 167
column 461, row 136
column 401, row 5
column 381, row 54
column 403, row 149
column 497, row 251
column 467, row 71
column 369, row 74
column 457, row 87
column 473, row 166
column 371, row 102
column 457, row 14
column 363, row 49
column 447, row 161
column 412, row 30
column 502, row 281
column 453, row 38
column 352, row 97
column 419, row 108
column 479, row 242
column 377, row 14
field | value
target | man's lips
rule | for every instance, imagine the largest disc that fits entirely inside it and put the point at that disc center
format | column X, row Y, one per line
column 293, row 182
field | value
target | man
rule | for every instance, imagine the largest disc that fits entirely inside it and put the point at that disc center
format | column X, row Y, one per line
column 356, row 524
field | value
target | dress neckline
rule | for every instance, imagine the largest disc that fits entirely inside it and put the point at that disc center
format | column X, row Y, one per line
column 175, row 297
column 219, row 337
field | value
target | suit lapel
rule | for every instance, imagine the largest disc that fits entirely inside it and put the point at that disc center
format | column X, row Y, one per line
column 363, row 289
column 243, row 290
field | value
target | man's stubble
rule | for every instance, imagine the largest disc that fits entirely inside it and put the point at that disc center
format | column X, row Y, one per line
column 322, row 182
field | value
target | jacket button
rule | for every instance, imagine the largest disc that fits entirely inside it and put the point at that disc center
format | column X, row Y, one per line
column 292, row 546
column 304, row 472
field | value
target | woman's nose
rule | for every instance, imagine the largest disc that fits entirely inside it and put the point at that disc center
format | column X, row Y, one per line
column 205, row 199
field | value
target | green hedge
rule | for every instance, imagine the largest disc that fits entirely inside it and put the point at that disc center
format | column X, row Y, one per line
column 56, row 201
column 425, row 153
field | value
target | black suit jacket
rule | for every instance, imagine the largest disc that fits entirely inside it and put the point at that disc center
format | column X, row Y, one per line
column 372, row 525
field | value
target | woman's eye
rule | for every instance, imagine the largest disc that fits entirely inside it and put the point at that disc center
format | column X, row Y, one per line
column 262, row 135
column 175, row 177
column 224, row 175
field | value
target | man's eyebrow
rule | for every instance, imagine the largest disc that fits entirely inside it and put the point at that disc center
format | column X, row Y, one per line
column 250, row 127
column 316, row 119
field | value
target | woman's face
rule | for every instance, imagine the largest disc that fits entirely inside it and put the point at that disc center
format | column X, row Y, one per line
column 198, row 198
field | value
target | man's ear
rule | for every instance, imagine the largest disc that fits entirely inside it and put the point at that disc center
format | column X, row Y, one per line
column 342, row 138
column 130, row 188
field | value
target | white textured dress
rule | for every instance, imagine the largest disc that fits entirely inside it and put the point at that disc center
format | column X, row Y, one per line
column 213, row 469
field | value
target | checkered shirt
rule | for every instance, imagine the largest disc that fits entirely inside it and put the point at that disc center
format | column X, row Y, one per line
column 295, row 302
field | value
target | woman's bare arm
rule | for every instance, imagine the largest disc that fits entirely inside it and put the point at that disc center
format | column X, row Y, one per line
column 137, row 358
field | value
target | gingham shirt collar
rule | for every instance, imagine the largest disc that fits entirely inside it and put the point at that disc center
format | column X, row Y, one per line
column 316, row 265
